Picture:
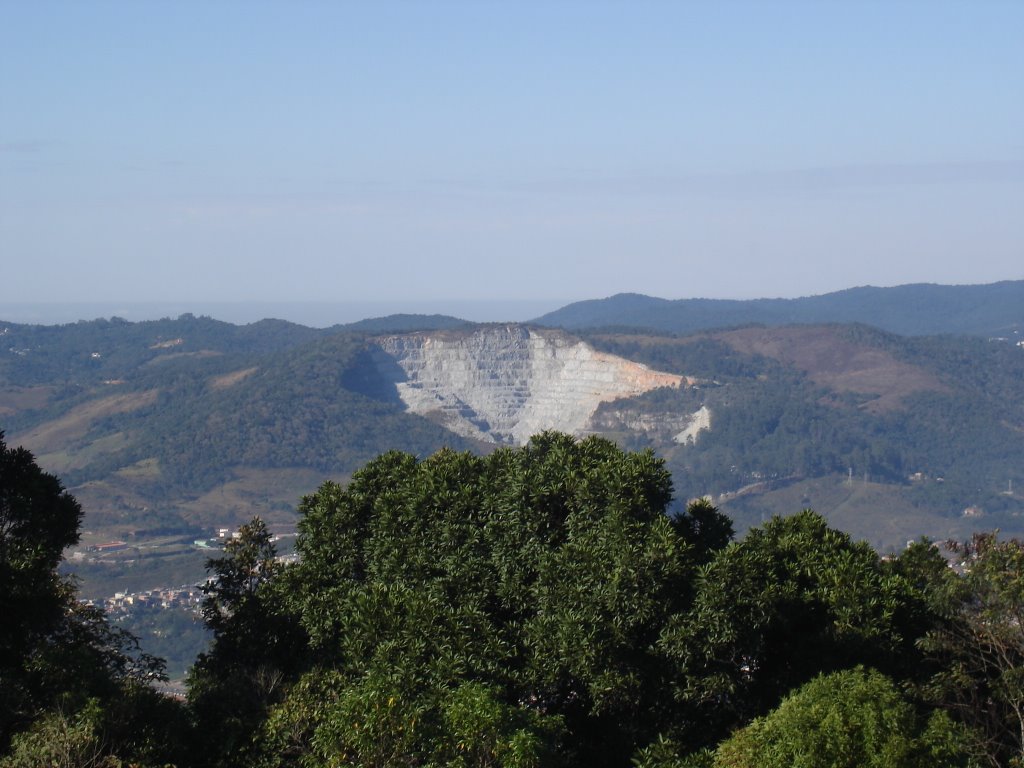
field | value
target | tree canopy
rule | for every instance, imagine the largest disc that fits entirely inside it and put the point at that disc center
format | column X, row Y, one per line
column 531, row 582
column 856, row 718
column 547, row 600
column 67, row 677
column 540, row 606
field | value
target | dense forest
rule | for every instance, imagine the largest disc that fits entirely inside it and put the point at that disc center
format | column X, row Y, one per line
column 536, row 606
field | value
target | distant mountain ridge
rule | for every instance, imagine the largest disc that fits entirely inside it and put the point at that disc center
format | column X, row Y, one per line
column 404, row 323
column 921, row 309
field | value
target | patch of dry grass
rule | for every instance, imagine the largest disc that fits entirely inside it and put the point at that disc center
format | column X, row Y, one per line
column 230, row 379
column 832, row 361
column 56, row 435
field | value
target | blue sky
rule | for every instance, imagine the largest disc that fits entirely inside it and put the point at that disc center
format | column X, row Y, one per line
column 420, row 152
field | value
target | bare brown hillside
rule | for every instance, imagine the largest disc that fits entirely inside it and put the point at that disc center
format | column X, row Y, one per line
column 58, row 434
column 836, row 362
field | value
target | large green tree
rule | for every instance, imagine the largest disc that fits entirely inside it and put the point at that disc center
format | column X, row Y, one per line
column 792, row 599
column 64, row 670
column 254, row 646
column 855, row 718
column 524, row 591
column 535, row 606
column 38, row 519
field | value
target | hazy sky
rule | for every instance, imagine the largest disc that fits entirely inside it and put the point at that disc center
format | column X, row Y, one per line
column 499, row 151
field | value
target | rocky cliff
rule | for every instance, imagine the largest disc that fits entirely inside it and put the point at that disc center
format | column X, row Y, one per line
column 505, row 383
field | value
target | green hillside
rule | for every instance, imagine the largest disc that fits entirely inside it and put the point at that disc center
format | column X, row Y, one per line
column 177, row 427
column 181, row 426
column 937, row 421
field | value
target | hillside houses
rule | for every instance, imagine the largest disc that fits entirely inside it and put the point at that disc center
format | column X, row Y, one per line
column 183, row 597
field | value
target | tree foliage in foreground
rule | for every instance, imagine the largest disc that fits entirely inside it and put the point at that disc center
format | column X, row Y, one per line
column 531, row 582
column 254, row 646
column 979, row 646
column 539, row 607
column 535, row 607
column 857, row 718
column 69, row 681
column 792, row 599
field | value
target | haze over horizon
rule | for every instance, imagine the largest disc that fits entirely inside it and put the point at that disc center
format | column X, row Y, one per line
column 506, row 158
column 317, row 314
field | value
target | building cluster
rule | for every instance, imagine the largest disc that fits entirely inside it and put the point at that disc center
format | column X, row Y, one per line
column 187, row 597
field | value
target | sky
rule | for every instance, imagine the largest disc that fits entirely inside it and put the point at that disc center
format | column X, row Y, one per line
column 429, row 155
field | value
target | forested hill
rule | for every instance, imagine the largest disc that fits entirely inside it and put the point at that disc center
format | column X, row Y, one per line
column 996, row 309
column 190, row 424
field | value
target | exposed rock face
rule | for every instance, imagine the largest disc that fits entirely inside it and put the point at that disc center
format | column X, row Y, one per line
column 699, row 421
column 660, row 424
column 503, row 384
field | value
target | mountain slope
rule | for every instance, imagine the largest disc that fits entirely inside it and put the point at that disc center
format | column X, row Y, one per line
column 938, row 420
column 922, row 309
column 189, row 424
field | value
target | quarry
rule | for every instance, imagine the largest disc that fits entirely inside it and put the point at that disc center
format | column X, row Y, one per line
column 502, row 384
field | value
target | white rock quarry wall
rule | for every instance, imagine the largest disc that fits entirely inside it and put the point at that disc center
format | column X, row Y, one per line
column 699, row 421
column 506, row 383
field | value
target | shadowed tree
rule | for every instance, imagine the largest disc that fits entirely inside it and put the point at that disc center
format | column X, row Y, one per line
column 979, row 648
column 792, row 599
column 65, row 672
column 254, row 645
